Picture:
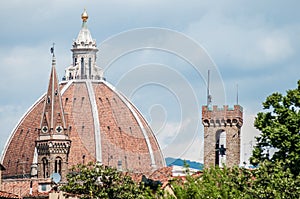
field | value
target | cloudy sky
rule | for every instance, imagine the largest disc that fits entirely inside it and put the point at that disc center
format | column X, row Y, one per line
column 157, row 53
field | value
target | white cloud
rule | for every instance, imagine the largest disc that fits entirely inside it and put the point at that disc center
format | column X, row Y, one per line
column 167, row 133
column 240, row 45
column 249, row 132
column 180, row 139
column 275, row 48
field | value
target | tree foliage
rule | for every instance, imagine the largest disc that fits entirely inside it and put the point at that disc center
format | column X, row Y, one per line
column 267, row 181
column 280, row 130
column 272, row 180
column 214, row 183
column 98, row 181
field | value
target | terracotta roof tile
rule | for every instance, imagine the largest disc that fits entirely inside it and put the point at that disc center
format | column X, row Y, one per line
column 4, row 194
column 163, row 174
column 37, row 194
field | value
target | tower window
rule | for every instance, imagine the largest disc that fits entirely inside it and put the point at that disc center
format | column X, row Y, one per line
column 82, row 68
column 44, row 187
column 220, row 158
column 139, row 160
column 119, row 165
column 58, row 165
column 45, row 168
column 90, row 68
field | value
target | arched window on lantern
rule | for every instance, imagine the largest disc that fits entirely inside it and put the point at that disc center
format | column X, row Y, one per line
column 90, row 68
column 45, row 168
column 58, row 165
column 82, row 68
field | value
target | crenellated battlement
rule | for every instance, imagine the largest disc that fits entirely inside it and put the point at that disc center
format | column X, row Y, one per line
column 222, row 116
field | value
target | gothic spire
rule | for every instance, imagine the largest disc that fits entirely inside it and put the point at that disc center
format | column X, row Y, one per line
column 53, row 120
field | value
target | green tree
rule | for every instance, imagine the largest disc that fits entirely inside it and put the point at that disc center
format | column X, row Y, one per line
column 271, row 180
column 98, row 181
column 280, row 130
column 215, row 183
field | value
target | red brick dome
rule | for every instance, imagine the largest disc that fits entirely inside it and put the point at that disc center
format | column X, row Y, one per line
column 104, row 126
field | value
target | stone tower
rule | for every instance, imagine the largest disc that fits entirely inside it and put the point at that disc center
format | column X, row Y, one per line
column 222, row 135
column 53, row 143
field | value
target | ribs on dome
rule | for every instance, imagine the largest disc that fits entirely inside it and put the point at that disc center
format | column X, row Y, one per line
column 79, row 120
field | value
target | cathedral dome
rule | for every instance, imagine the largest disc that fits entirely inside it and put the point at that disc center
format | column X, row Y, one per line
column 104, row 126
column 85, row 118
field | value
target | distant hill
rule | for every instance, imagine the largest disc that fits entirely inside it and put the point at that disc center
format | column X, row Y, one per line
column 180, row 162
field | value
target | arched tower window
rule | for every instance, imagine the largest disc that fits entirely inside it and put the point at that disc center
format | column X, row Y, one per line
column 220, row 157
column 58, row 165
column 90, row 68
column 45, row 168
column 82, row 68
